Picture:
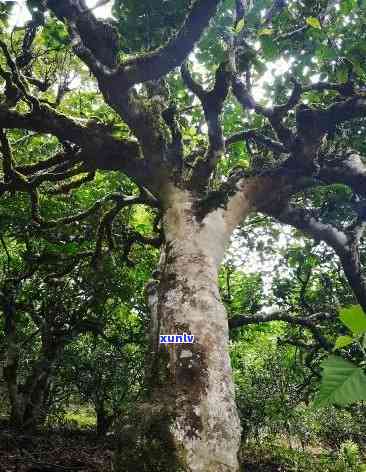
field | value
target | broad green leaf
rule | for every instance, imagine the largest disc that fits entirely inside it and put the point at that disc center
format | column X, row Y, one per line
column 342, row 383
column 343, row 341
column 265, row 32
column 354, row 318
column 313, row 22
column 239, row 26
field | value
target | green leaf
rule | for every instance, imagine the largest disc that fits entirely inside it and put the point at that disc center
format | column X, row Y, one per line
column 343, row 341
column 239, row 26
column 354, row 318
column 313, row 22
column 270, row 49
column 265, row 32
column 342, row 383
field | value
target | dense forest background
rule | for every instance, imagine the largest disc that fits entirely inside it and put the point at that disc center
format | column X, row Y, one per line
column 76, row 256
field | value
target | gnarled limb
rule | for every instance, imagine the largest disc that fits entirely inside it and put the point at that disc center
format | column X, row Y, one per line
column 344, row 242
column 212, row 102
column 310, row 323
column 99, row 149
column 350, row 170
column 97, row 40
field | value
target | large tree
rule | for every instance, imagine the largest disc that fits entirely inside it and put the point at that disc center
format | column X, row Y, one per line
column 205, row 153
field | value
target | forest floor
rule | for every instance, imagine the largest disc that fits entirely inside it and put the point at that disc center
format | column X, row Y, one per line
column 54, row 451
column 82, row 451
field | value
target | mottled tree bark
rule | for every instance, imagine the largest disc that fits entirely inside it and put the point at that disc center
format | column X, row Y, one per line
column 191, row 385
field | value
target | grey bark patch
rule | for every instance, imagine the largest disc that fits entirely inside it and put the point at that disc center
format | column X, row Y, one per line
column 185, row 353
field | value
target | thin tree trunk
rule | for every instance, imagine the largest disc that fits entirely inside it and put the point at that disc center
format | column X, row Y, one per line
column 28, row 401
column 104, row 420
column 190, row 423
column 35, row 389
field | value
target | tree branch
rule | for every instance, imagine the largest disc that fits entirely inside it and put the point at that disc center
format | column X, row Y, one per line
column 344, row 243
column 349, row 170
column 100, row 150
column 258, row 138
column 154, row 65
column 96, row 43
column 244, row 320
column 212, row 102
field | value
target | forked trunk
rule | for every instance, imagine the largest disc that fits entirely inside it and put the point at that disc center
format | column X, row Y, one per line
column 190, row 423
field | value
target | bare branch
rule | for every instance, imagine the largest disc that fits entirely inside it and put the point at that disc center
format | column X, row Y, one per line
column 275, row 115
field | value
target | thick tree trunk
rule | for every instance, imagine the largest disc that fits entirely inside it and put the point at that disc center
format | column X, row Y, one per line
column 192, row 412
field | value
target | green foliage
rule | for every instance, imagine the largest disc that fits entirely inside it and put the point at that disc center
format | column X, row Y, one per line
column 342, row 382
column 240, row 25
column 313, row 22
column 242, row 293
column 343, row 341
column 55, row 35
column 281, row 456
column 354, row 318
column 148, row 25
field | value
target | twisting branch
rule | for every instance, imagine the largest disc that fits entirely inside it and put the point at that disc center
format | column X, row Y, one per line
column 31, row 29
column 347, row 89
column 305, row 220
column 105, row 228
column 96, row 43
column 212, row 102
column 7, row 158
column 18, row 80
column 255, row 136
column 244, row 320
column 158, row 63
column 280, row 111
column 344, row 242
column 274, row 115
column 70, row 155
column 66, row 188
column 100, row 150
column 118, row 198
column 348, row 169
